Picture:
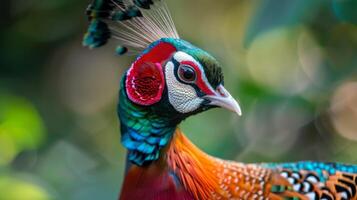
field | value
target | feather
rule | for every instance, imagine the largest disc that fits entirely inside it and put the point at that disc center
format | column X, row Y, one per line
column 206, row 177
column 135, row 24
column 153, row 182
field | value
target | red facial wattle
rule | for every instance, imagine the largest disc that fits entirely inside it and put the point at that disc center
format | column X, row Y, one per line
column 145, row 80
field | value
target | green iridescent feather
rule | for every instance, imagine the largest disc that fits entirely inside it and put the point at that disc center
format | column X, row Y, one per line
column 143, row 132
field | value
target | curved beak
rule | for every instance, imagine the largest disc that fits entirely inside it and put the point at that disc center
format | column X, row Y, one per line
column 223, row 99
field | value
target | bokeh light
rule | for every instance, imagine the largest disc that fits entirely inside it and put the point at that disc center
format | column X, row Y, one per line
column 344, row 110
column 86, row 84
column 18, row 189
column 21, row 127
column 288, row 62
column 275, row 125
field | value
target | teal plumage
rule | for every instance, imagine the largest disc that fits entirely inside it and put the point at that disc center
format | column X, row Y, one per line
column 97, row 35
column 143, row 132
column 98, row 31
column 98, row 13
column 120, row 50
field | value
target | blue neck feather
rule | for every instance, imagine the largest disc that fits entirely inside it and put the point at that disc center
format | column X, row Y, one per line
column 143, row 132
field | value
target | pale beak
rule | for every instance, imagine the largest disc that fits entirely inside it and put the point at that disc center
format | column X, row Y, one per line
column 223, row 99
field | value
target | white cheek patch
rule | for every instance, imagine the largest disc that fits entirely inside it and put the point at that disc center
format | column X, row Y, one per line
column 181, row 96
column 182, row 56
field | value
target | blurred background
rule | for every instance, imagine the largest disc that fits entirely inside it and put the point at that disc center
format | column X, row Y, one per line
column 291, row 64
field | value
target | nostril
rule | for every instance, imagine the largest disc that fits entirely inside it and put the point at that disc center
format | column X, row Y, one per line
column 221, row 91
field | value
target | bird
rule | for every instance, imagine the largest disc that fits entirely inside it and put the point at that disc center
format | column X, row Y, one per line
column 169, row 81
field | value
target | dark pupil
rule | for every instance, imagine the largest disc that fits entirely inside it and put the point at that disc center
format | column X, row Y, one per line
column 187, row 73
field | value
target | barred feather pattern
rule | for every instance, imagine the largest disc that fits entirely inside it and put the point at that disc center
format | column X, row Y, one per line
column 206, row 177
column 134, row 24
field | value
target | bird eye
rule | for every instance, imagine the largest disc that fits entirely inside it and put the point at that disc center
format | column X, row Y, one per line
column 186, row 73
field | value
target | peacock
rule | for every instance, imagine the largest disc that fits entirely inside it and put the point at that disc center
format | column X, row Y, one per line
column 169, row 81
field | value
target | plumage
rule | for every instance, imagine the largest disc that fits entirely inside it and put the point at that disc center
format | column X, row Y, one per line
column 206, row 177
column 169, row 81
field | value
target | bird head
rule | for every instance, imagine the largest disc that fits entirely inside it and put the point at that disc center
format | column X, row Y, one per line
column 169, row 81
column 173, row 77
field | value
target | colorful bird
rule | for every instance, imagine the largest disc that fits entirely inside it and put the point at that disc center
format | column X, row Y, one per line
column 169, row 81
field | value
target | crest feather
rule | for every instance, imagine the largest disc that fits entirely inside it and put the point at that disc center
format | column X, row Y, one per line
column 135, row 24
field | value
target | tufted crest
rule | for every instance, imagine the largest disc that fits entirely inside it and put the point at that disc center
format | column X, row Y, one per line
column 134, row 24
